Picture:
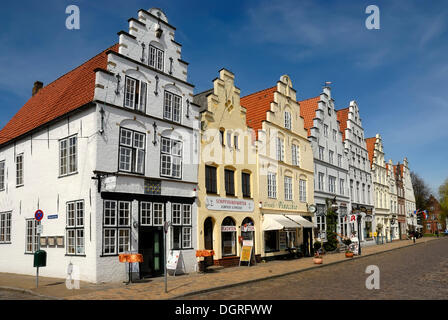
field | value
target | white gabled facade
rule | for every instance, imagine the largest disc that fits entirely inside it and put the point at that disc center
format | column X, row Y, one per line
column 360, row 184
column 410, row 208
column 330, row 163
column 393, row 201
column 134, row 168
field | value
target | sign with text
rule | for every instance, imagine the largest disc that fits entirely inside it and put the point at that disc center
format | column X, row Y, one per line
column 246, row 254
column 226, row 204
column 173, row 261
column 228, row 229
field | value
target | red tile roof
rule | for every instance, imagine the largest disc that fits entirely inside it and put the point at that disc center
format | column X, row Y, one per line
column 342, row 118
column 257, row 104
column 69, row 92
column 370, row 142
column 308, row 109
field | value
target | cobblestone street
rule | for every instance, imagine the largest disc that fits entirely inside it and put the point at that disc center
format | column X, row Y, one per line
column 416, row 272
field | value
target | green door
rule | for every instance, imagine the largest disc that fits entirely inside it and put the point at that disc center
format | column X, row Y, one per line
column 151, row 247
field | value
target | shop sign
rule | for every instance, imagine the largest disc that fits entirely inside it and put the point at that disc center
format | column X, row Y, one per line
column 225, row 204
column 352, row 218
column 246, row 253
column 110, row 183
column 228, row 229
column 247, row 228
column 248, row 243
column 280, row 205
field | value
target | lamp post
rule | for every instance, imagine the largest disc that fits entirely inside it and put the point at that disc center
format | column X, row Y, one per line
column 359, row 211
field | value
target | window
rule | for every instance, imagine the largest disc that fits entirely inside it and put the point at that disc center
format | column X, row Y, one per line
column 172, row 107
column 229, row 139
column 295, row 155
column 271, row 241
column 245, row 182
column 19, row 170
column 357, row 192
column 68, row 156
column 302, row 190
column 363, row 193
column 2, row 175
column 235, row 142
column 351, row 190
column 221, row 137
column 339, row 160
column 75, row 228
column 5, row 227
column 321, row 153
column 325, row 130
column 287, row 120
column 272, row 185
column 132, row 151
column 341, row 186
column 32, row 237
column 181, row 217
column 135, row 96
column 228, row 236
column 171, row 158
column 288, row 188
column 229, row 182
column 280, row 149
column 330, row 156
column 320, row 220
column 332, row 184
column 117, row 226
column 335, row 135
column 210, row 179
column 156, row 58
column 320, row 181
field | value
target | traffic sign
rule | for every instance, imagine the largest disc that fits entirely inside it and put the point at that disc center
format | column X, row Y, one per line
column 39, row 215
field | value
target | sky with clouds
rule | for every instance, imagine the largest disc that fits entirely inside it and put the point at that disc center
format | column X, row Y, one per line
column 398, row 74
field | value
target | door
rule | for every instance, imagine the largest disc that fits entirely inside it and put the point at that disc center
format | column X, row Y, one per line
column 308, row 241
column 208, row 239
column 151, row 247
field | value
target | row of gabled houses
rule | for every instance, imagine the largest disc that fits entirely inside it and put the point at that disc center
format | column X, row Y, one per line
column 120, row 150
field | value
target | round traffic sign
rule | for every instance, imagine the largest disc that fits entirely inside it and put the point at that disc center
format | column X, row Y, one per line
column 39, row 215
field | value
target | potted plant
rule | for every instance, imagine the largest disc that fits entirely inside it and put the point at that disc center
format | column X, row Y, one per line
column 347, row 241
column 318, row 259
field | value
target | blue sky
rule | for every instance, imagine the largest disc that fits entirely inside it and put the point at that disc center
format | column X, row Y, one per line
column 398, row 74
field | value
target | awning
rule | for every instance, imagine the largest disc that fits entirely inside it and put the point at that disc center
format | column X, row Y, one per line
column 301, row 220
column 278, row 222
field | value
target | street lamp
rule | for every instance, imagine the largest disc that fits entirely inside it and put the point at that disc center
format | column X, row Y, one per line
column 359, row 210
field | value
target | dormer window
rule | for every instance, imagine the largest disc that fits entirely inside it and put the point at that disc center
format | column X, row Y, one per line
column 156, row 58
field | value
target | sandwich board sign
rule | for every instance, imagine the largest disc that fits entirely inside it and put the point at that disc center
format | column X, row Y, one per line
column 175, row 261
column 246, row 254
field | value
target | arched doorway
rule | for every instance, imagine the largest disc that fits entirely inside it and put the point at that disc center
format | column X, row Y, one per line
column 208, row 240
column 248, row 236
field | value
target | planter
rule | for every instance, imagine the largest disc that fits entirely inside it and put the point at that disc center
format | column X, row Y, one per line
column 349, row 254
column 318, row 260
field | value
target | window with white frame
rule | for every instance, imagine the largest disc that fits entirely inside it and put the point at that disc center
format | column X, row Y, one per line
column 320, row 181
column 325, row 130
column 31, row 237
column 5, row 227
column 295, row 155
column 135, row 94
column 321, row 153
column 172, row 107
column 302, row 190
column 68, row 156
column 287, row 120
column 229, row 139
column 331, row 184
column 272, row 185
column 330, row 156
column 236, row 141
column 280, row 149
column 334, row 135
column 156, row 58
column 2, row 175
column 19, row 170
column 342, row 186
column 288, row 188
column 171, row 158
column 75, row 228
column 339, row 160
column 132, row 151
column 158, row 214
column 116, row 227
column 182, row 225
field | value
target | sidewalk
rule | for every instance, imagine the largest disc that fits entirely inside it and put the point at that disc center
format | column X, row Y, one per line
column 179, row 286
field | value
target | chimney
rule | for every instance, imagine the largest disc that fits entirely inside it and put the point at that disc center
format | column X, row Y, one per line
column 37, row 86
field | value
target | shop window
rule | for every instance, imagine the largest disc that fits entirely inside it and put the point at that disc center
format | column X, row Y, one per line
column 247, row 229
column 182, row 225
column 228, row 237
column 271, row 241
column 116, row 227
